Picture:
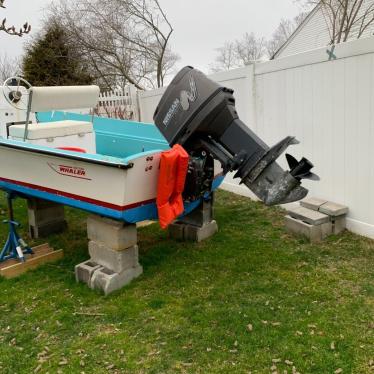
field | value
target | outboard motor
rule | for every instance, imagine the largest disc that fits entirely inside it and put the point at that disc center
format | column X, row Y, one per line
column 200, row 115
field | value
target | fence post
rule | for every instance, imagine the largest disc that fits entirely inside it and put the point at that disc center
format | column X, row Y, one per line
column 134, row 98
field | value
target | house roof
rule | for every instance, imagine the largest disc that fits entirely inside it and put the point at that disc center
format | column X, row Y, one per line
column 296, row 32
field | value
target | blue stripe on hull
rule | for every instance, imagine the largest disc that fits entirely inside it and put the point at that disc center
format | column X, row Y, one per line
column 138, row 214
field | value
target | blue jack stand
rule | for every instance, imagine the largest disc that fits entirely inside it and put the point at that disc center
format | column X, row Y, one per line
column 15, row 247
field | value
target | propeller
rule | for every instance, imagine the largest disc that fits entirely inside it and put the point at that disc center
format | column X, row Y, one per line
column 301, row 169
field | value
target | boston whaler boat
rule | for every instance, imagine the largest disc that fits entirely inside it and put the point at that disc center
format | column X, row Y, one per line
column 111, row 167
column 117, row 177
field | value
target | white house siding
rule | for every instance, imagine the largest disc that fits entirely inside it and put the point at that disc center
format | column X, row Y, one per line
column 314, row 33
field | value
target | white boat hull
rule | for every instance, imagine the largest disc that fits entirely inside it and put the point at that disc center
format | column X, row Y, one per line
column 118, row 188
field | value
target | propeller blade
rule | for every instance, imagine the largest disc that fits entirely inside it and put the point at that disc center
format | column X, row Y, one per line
column 310, row 176
column 301, row 169
column 292, row 162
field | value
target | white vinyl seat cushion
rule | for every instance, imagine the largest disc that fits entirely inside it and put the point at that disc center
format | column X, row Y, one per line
column 45, row 99
column 51, row 129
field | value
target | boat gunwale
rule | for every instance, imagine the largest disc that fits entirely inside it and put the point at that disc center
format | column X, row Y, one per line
column 58, row 153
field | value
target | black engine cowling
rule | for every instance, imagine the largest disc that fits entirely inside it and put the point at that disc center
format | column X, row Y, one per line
column 200, row 115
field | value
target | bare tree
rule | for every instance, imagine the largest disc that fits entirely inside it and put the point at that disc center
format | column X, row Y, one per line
column 124, row 41
column 226, row 58
column 283, row 32
column 8, row 67
column 250, row 48
column 11, row 30
column 345, row 18
column 239, row 53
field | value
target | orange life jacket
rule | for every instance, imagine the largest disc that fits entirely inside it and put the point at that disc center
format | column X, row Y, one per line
column 171, row 180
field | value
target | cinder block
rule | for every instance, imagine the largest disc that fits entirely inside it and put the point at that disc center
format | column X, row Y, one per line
column 309, row 216
column 311, row 232
column 84, row 271
column 181, row 231
column 117, row 261
column 109, row 281
column 201, row 216
column 46, row 215
column 312, row 203
column 198, row 234
column 45, row 218
column 114, row 234
column 333, row 209
column 40, row 231
column 326, row 229
column 176, row 231
column 339, row 224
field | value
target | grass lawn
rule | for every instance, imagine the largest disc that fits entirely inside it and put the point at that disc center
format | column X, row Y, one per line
column 252, row 299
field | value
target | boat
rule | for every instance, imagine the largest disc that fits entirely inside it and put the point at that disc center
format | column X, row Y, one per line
column 118, row 181
column 110, row 167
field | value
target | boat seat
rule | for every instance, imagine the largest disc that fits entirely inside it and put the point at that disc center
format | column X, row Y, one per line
column 47, row 130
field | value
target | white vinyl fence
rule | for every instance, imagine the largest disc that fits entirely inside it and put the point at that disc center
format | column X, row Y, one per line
column 328, row 104
column 120, row 104
column 325, row 100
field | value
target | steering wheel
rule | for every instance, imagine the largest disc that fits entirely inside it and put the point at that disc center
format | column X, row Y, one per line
column 16, row 91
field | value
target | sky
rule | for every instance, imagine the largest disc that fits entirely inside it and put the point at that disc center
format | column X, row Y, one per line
column 200, row 26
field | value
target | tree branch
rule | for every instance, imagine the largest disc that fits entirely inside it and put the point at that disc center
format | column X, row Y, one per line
column 11, row 30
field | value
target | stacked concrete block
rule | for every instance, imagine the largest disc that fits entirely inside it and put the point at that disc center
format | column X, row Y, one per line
column 316, row 219
column 181, row 231
column 196, row 226
column 114, row 260
column 109, row 281
column 85, row 270
column 337, row 214
column 315, row 231
column 45, row 218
